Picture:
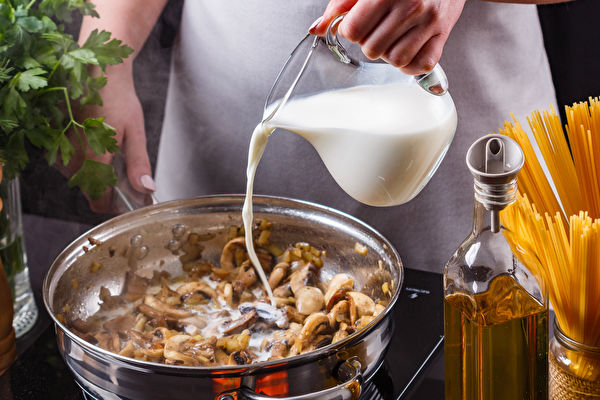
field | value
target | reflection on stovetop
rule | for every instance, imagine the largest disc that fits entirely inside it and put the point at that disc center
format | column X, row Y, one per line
column 40, row 373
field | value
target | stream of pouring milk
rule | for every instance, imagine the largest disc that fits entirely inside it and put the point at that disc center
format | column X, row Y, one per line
column 381, row 143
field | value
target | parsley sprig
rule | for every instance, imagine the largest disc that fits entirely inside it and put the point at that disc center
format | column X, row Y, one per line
column 42, row 71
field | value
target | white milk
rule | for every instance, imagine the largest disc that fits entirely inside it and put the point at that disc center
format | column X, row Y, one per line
column 380, row 143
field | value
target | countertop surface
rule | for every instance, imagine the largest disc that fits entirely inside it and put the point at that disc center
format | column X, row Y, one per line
column 40, row 373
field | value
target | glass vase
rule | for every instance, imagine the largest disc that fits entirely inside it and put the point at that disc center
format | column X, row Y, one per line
column 574, row 368
column 14, row 258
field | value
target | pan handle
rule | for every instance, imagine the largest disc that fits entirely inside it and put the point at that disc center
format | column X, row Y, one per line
column 348, row 372
column 125, row 198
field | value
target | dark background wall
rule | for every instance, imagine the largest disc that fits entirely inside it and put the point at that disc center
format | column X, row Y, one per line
column 572, row 38
column 572, row 41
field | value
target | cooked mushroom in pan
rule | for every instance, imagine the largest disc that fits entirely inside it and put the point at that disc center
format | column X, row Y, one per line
column 220, row 314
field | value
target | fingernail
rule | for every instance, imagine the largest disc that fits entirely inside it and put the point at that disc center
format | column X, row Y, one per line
column 148, row 183
column 314, row 24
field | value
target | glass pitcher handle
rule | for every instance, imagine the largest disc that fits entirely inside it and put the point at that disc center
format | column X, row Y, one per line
column 333, row 41
column 434, row 81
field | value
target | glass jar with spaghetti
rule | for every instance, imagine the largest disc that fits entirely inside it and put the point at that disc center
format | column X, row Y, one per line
column 574, row 368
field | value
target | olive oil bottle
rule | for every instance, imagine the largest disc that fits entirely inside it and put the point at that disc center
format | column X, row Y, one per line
column 495, row 311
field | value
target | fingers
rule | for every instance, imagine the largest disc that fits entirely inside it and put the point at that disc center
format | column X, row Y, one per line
column 414, row 49
column 139, row 171
column 390, row 32
column 409, row 34
column 361, row 20
column 334, row 8
column 427, row 57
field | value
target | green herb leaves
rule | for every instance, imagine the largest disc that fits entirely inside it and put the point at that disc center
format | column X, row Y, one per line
column 42, row 70
column 107, row 52
column 89, row 174
column 31, row 79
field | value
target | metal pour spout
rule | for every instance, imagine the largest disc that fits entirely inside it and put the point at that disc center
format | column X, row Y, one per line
column 495, row 161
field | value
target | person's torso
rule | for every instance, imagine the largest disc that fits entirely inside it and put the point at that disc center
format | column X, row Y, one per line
column 226, row 59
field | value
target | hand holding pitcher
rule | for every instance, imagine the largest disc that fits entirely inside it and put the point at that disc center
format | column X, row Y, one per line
column 409, row 34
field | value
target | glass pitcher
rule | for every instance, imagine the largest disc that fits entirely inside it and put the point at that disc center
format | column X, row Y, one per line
column 381, row 133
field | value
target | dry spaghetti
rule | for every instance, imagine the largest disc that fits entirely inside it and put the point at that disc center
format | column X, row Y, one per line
column 556, row 233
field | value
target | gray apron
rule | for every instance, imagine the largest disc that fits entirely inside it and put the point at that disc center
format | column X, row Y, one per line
column 226, row 58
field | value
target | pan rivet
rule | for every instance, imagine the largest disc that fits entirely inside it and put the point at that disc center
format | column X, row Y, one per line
column 173, row 245
column 136, row 240
column 141, row 252
column 178, row 231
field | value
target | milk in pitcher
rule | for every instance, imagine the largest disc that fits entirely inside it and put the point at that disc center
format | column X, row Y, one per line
column 381, row 143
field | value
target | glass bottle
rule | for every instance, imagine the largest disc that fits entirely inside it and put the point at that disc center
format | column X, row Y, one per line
column 14, row 257
column 495, row 311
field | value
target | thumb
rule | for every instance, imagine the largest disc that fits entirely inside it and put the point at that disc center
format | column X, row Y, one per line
column 334, row 8
column 139, row 171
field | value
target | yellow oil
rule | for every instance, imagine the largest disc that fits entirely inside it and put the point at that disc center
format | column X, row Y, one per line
column 496, row 344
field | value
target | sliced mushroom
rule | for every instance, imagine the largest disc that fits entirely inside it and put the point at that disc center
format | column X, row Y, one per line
column 265, row 259
column 81, row 325
column 304, row 276
column 191, row 248
column 186, row 350
column 278, row 350
column 108, row 341
column 135, row 286
column 337, row 288
column 195, row 293
column 225, row 292
column 166, row 295
column 240, row 358
column 279, row 272
column 229, row 252
column 108, row 300
column 219, row 274
column 128, row 349
column 150, row 344
column 238, row 325
column 221, row 358
column 247, row 296
column 245, row 278
column 155, row 353
column 157, row 318
column 363, row 321
column 293, row 314
column 266, row 312
column 165, row 308
column 120, row 324
column 339, row 313
column 283, row 291
column 234, row 342
column 280, row 342
column 283, row 301
column 198, row 268
column 309, row 299
column 317, row 342
column 196, row 321
column 360, row 305
column 339, row 335
column 314, row 324
column 140, row 322
column 159, row 277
